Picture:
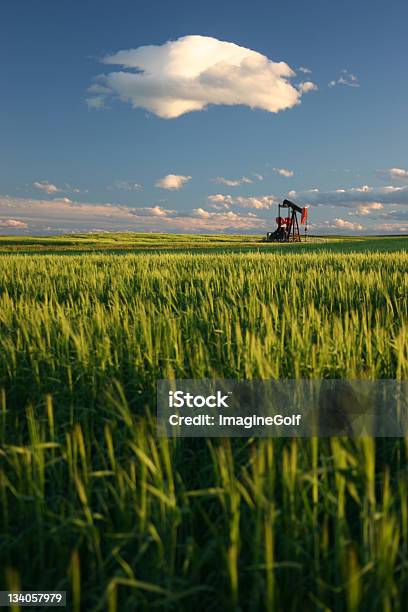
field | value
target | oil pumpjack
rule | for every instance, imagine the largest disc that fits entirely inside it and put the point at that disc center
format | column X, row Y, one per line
column 288, row 227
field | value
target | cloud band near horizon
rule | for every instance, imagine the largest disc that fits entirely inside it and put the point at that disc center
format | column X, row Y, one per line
column 367, row 208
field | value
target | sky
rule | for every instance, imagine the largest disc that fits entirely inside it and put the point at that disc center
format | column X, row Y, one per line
column 201, row 116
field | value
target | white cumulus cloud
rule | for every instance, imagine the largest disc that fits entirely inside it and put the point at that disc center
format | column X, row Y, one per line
column 51, row 189
column 155, row 211
column 342, row 224
column 13, row 223
column 46, row 187
column 284, row 172
column 398, row 173
column 367, row 209
column 173, row 182
column 191, row 73
column 219, row 201
column 65, row 200
column 307, row 86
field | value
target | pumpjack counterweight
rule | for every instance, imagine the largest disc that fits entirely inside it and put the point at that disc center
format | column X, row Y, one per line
column 288, row 227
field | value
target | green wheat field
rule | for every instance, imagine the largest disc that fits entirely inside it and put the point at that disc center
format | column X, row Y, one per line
column 92, row 502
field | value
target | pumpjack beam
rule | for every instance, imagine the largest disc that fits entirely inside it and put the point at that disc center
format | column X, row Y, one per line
column 289, row 204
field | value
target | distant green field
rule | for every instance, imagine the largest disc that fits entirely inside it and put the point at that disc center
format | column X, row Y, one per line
column 139, row 242
column 92, row 502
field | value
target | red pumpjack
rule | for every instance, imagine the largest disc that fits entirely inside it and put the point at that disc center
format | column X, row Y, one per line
column 288, row 227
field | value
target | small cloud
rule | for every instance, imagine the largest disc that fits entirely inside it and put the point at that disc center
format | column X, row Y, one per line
column 233, row 182
column 173, row 182
column 97, row 100
column 258, row 203
column 65, row 200
column 258, row 177
column 304, row 70
column 203, row 214
column 307, row 86
column 51, row 189
column 127, row 185
column 395, row 173
column 13, row 224
column 97, row 88
column 46, row 187
column 362, row 189
column 284, row 172
column 342, row 224
column 151, row 211
column 220, row 201
column 391, row 188
column 347, row 79
column 96, row 103
column 366, row 209
column 154, row 211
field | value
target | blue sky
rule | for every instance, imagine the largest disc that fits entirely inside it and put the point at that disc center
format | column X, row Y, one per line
column 115, row 162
